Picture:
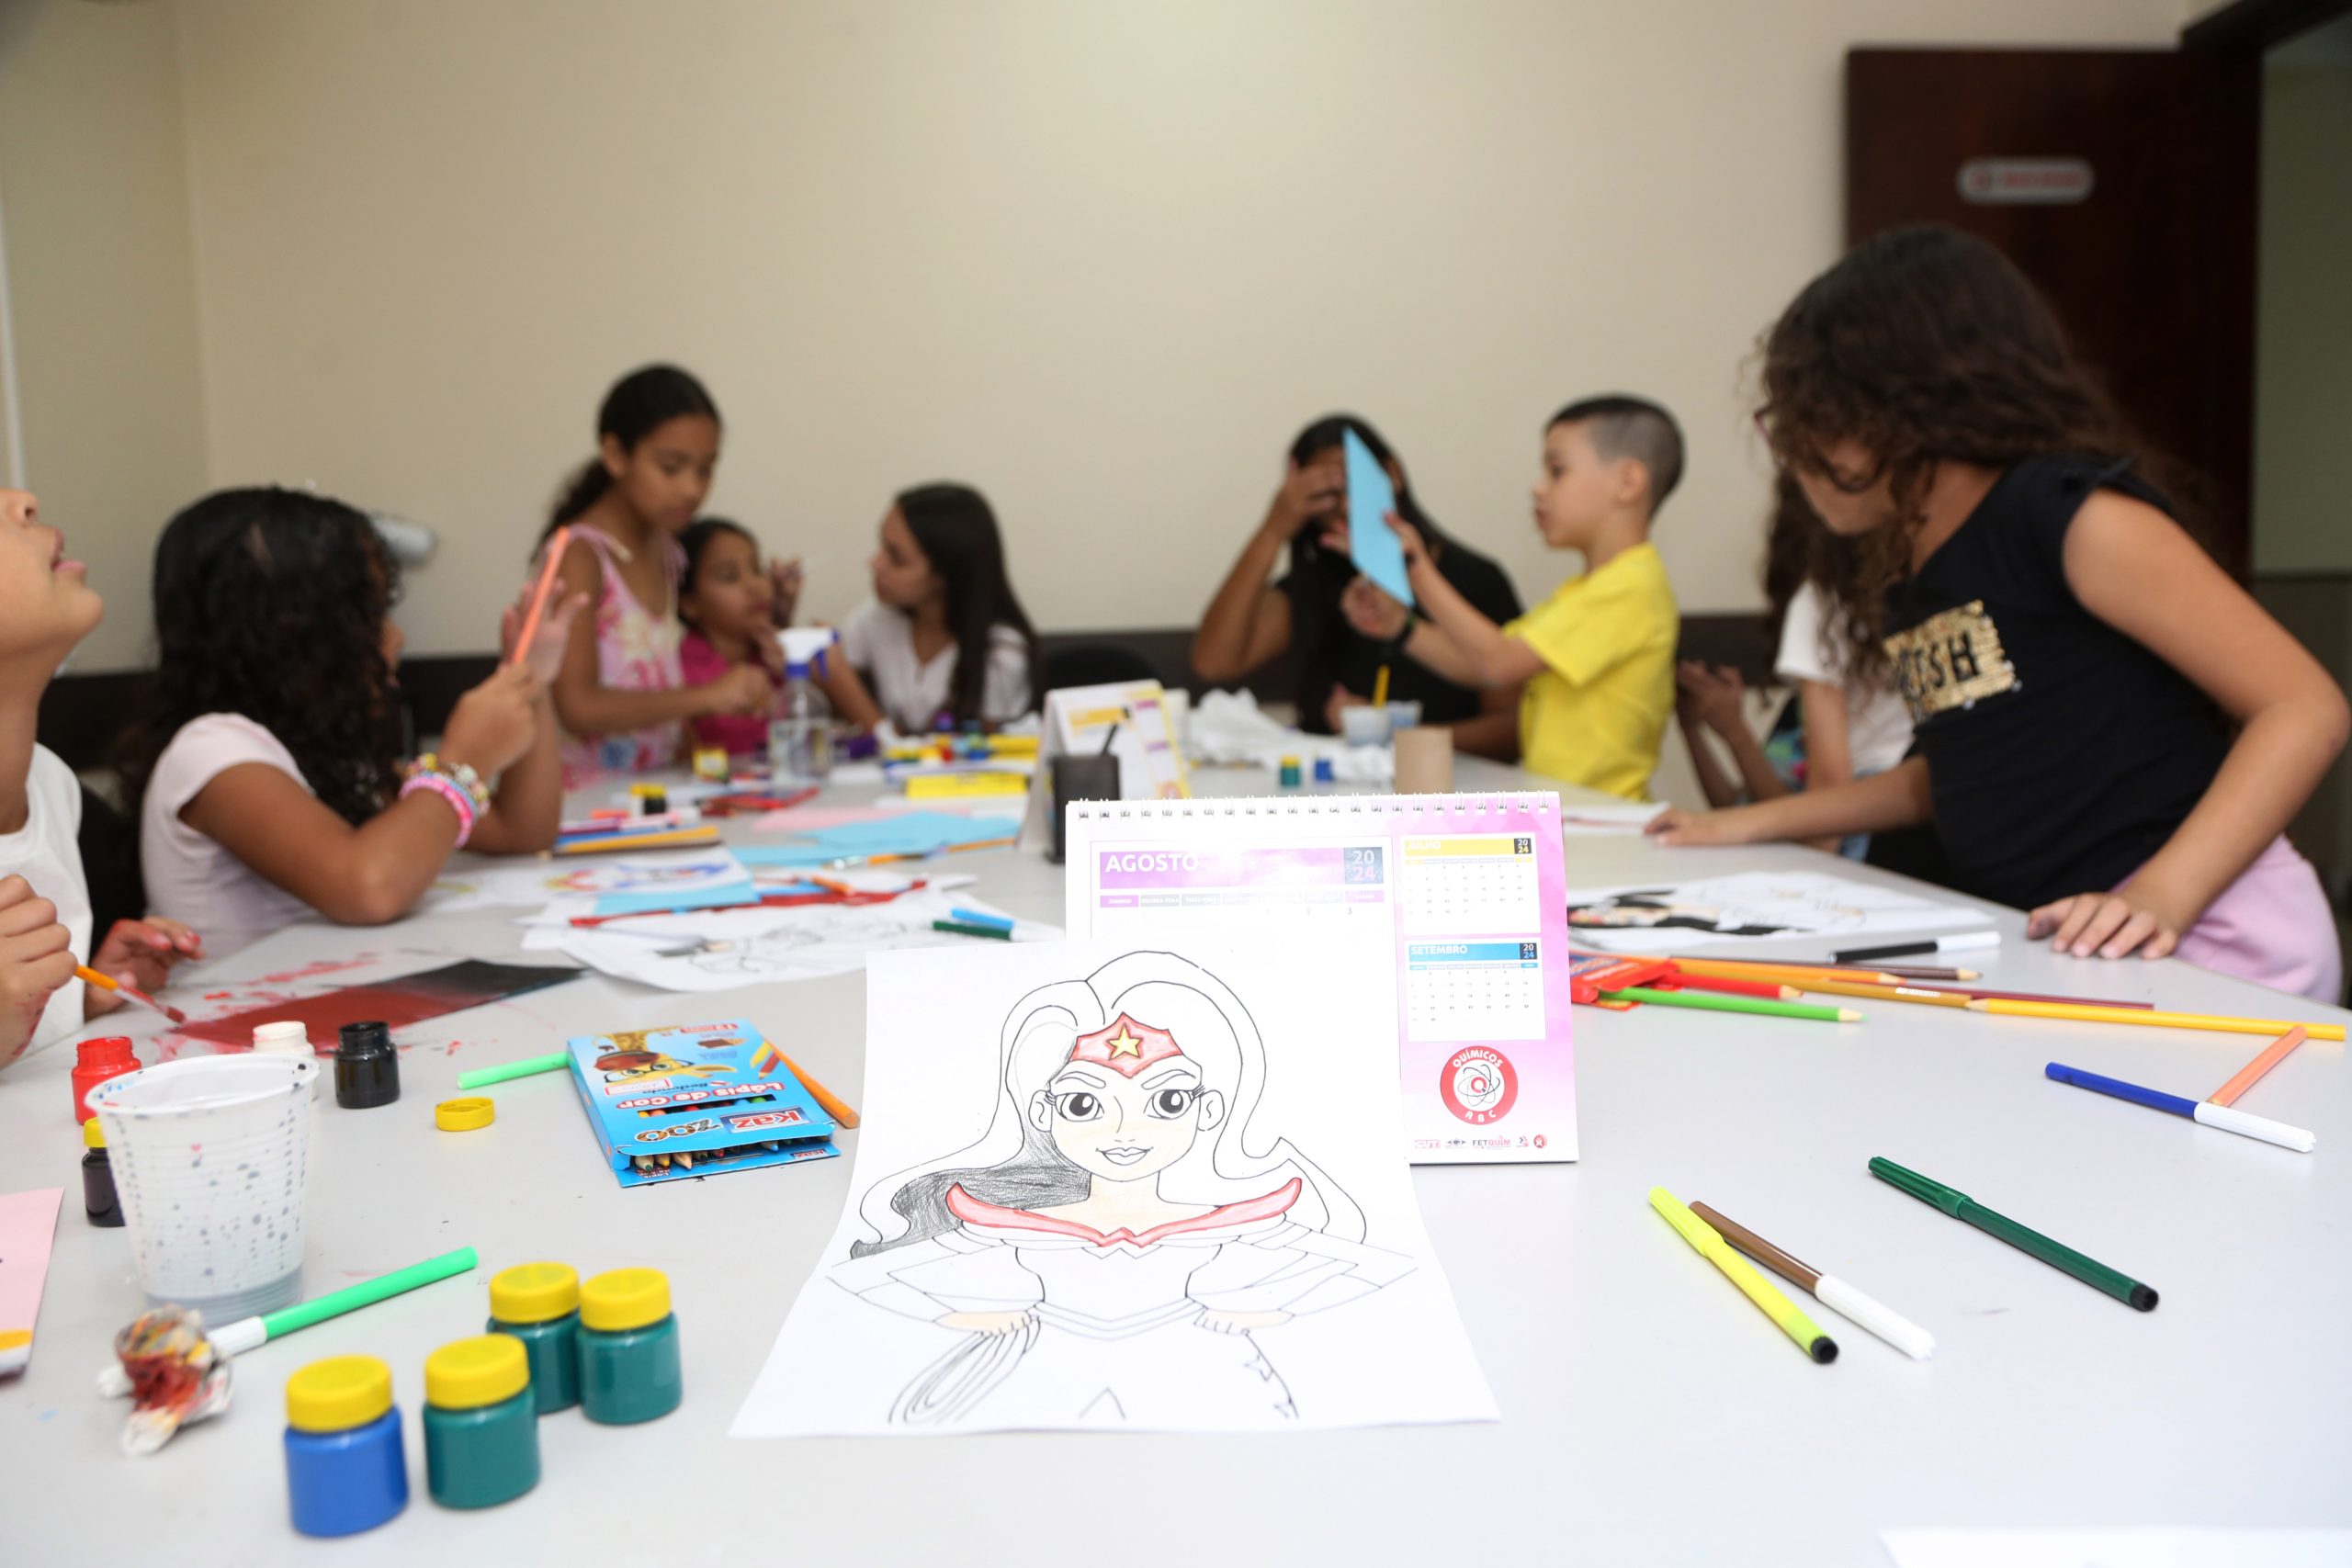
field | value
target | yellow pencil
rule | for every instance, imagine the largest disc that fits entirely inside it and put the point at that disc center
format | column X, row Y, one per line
column 1709, row 1245
column 2152, row 1020
column 1380, row 688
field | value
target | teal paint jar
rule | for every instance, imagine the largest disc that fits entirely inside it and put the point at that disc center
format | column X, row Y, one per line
column 482, row 1431
column 629, row 1370
column 539, row 1304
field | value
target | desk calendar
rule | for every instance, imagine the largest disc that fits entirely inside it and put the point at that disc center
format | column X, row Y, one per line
column 1462, row 894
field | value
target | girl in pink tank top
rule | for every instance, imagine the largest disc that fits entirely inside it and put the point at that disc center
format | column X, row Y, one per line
column 622, row 695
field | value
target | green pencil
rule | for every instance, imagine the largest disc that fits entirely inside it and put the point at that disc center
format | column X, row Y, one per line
column 1961, row 1206
column 1716, row 1001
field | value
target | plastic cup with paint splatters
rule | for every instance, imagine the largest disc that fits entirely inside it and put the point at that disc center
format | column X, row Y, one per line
column 210, row 1157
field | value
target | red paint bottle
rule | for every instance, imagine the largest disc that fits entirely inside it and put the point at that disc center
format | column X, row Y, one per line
column 95, row 1061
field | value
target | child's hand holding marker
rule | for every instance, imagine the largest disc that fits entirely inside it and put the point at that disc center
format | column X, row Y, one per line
column 140, row 954
column 36, row 958
column 549, row 638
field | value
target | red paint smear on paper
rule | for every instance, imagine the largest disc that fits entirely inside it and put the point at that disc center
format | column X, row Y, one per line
column 405, row 1000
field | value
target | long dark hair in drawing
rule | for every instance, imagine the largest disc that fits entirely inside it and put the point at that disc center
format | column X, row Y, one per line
column 1016, row 1165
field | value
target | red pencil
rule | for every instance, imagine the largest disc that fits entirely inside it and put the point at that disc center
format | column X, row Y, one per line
column 1769, row 992
column 2030, row 997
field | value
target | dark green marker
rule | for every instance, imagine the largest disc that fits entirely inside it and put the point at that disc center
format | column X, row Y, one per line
column 1961, row 1206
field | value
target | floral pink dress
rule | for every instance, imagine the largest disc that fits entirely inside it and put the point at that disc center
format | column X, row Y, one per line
column 637, row 651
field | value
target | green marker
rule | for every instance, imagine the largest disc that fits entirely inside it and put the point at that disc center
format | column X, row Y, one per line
column 958, row 928
column 553, row 1062
column 1714, row 1001
column 236, row 1338
column 1961, row 1206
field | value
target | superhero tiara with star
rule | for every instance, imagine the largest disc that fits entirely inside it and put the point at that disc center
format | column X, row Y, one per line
column 1125, row 1047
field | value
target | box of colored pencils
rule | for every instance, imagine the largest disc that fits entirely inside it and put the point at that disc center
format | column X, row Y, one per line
column 695, row 1100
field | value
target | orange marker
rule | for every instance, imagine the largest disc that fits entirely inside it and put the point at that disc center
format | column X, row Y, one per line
column 556, row 543
column 2272, row 1055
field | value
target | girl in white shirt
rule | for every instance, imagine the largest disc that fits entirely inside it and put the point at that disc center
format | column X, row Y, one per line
column 946, row 638
column 266, row 763
column 46, row 606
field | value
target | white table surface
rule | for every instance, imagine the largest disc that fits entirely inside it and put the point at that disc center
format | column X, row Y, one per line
column 1650, row 1414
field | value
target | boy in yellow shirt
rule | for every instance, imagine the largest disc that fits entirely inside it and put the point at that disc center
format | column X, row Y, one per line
column 1598, row 656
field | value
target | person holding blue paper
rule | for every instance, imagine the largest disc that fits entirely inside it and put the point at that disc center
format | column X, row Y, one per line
column 1253, row 622
column 1598, row 656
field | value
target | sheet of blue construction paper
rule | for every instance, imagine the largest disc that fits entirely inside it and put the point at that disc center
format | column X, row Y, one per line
column 1372, row 544
column 726, row 896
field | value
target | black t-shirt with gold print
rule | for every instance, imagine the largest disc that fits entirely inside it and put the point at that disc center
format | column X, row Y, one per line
column 2062, row 753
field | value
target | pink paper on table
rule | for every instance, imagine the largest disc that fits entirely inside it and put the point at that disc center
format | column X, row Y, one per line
column 28, row 1227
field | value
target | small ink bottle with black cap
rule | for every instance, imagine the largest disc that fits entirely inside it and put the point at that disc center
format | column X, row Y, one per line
column 366, row 1069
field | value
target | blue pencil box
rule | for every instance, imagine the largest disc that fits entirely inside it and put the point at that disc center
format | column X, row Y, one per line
column 695, row 1099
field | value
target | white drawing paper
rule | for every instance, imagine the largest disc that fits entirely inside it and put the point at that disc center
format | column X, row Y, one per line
column 1754, row 906
column 1100, row 1188
column 2138, row 1546
column 718, row 950
column 491, row 885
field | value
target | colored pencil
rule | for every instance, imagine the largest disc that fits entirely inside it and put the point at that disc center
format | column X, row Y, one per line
column 2152, row 1018
column 1380, row 687
column 834, row 1105
column 1783, row 1312
column 123, row 987
column 851, row 863
column 978, row 917
column 2202, row 1113
column 670, row 838
column 1884, row 993
column 1706, row 1003
column 1973, row 991
column 1883, row 973
column 2032, row 1243
column 1828, row 1289
column 555, row 547
column 1959, row 941
column 1787, row 975
column 2272, row 1055
column 1770, row 990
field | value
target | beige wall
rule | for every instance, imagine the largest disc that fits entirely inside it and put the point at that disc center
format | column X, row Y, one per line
column 2302, row 432
column 94, row 186
column 1100, row 258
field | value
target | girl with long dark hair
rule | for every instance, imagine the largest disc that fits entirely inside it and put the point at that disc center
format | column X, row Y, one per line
column 2069, row 651
column 621, row 693
column 946, row 636
column 266, row 763
column 1251, row 622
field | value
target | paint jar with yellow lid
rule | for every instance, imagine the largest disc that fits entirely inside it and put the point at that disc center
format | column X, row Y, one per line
column 629, row 1370
column 482, row 1432
column 539, row 1304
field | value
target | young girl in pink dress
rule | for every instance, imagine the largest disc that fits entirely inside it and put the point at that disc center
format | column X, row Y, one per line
column 622, row 693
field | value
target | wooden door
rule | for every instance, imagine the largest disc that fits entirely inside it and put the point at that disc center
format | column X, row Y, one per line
column 2123, row 182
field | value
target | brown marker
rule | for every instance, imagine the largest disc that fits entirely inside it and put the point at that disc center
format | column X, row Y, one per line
column 1830, row 1292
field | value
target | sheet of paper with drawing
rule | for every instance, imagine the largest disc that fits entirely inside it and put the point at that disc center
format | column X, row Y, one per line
column 1372, row 544
column 1458, row 896
column 1098, row 1187
column 1754, row 906
column 717, row 949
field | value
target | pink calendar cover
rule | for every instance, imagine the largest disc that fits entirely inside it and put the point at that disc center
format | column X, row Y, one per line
column 1464, row 894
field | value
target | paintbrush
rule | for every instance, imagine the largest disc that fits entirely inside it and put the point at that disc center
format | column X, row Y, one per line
column 108, row 982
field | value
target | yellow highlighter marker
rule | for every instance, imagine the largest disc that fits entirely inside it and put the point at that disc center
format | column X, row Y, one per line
column 1710, row 1246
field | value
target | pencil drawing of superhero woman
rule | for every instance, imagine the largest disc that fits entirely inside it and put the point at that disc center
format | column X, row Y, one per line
column 1111, row 1249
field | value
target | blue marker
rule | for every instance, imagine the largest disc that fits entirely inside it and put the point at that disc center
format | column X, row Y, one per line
column 2204, row 1112
column 973, row 917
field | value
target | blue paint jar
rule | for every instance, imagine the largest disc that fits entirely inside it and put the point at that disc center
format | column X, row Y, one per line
column 345, row 1470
